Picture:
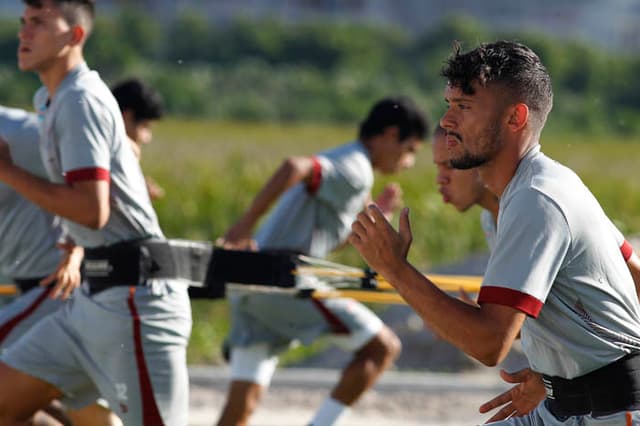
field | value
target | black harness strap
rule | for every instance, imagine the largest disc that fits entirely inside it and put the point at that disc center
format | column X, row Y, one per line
column 607, row 390
column 135, row 262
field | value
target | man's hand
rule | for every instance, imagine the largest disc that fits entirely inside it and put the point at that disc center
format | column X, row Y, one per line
column 520, row 399
column 238, row 237
column 389, row 200
column 67, row 275
column 376, row 240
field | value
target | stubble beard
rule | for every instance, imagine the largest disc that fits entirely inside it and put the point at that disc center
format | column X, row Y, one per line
column 489, row 142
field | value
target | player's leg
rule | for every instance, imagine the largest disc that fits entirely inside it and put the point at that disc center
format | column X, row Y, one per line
column 375, row 347
column 138, row 361
column 367, row 364
column 93, row 415
column 252, row 368
column 22, row 395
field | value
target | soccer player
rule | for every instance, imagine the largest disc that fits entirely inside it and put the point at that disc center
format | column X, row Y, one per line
column 555, row 275
column 317, row 199
column 124, row 334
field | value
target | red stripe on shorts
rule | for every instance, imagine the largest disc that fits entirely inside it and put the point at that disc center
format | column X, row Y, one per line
column 150, row 413
column 336, row 325
column 10, row 325
column 90, row 173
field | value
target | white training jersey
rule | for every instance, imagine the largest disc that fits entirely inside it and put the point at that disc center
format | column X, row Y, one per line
column 317, row 218
column 557, row 260
column 28, row 234
column 83, row 138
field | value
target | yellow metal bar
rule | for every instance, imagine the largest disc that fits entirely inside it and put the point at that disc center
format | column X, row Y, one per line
column 468, row 283
column 8, row 290
column 368, row 296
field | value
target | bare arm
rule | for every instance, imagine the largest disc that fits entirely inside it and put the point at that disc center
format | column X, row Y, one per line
column 292, row 171
column 484, row 332
column 86, row 203
column 633, row 263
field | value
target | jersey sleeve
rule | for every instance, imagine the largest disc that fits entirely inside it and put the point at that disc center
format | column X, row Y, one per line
column 533, row 238
column 334, row 186
column 626, row 249
column 85, row 134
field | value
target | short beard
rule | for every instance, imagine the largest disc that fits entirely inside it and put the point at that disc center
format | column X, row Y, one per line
column 468, row 161
column 490, row 141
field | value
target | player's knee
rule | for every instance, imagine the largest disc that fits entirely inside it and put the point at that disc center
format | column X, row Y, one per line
column 390, row 345
column 383, row 349
column 394, row 346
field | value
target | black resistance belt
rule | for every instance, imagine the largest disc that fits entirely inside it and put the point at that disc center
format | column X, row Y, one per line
column 136, row 262
column 607, row 390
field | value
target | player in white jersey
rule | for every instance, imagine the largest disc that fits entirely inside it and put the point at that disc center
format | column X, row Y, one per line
column 123, row 336
column 555, row 275
column 318, row 198
column 31, row 242
column 28, row 235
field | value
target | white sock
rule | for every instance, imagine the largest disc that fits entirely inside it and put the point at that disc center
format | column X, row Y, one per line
column 330, row 411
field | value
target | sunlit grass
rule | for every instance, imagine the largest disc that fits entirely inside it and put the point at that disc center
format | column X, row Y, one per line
column 212, row 170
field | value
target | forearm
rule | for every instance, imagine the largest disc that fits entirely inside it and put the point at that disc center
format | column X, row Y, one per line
column 473, row 329
column 288, row 174
column 59, row 199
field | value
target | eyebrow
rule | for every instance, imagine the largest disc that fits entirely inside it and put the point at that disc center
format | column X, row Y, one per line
column 459, row 99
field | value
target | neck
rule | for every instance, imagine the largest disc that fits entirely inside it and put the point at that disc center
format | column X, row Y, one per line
column 489, row 201
column 498, row 172
column 52, row 76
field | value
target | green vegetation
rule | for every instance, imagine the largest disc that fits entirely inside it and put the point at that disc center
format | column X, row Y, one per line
column 320, row 78
column 211, row 171
column 326, row 72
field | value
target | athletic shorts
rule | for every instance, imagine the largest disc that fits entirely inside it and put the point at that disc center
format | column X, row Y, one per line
column 542, row 417
column 23, row 312
column 278, row 320
column 125, row 344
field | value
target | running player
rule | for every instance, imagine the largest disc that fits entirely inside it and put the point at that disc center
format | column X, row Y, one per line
column 141, row 105
column 123, row 336
column 318, row 197
column 31, row 251
column 555, row 274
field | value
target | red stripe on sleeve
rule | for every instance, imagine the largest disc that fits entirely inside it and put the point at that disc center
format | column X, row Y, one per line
column 91, row 173
column 626, row 249
column 316, row 176
column 509, row 297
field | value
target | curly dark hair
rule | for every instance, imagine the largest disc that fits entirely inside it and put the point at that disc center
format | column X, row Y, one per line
column 513, row 66
column 75, row 12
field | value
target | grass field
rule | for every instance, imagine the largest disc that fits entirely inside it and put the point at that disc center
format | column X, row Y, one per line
column 211, row 171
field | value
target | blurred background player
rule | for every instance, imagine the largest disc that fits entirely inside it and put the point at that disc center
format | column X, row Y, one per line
column 317, row 198
column 141, row 105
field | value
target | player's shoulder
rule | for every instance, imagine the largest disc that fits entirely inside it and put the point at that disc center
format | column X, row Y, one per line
column 351, row 161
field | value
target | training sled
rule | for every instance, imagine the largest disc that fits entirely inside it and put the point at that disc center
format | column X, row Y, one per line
column 209, row 271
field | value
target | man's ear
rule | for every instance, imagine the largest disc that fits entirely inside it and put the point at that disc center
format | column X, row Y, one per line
column 518, row 117
column 391, row 133
column 77, row 34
